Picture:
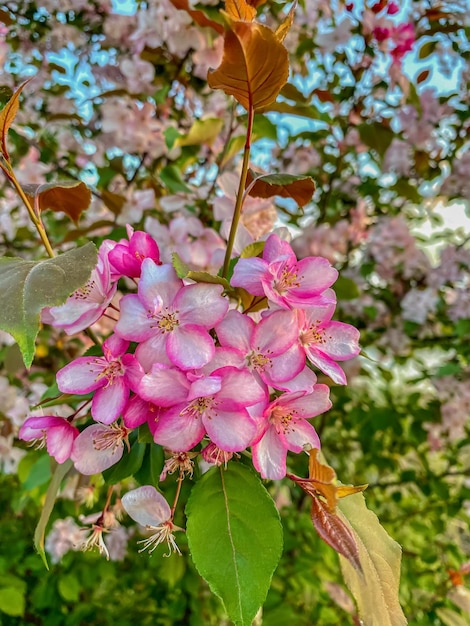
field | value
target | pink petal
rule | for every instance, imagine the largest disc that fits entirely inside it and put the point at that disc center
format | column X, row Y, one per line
column 59, row 441
column 153, row 351
column 235, row 331
column 146, row 506
column 205, row 386
column 285, row 366
column 300, row 433
column 135, row 322
column 201, row 304
column 277, row 249
column 164, row 386
column 109, row 401
column 269, row 456
column 177, row 429
column 341, row 341
column 304, row 381
column 231, row 431
column 114, row 347
column 239, row 388
column 276, row 333
column 137, row 412
column 190, row 347
column 307, row 405
column 34, row 427
column 82, row 375
column 315, row 275
column 248, row 273
column 326, row 365
column 158, row 283
column 87, row 459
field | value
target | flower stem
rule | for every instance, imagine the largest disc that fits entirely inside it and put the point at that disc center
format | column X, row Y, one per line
column 8, row 171
column 240, row 194
column 177, row 495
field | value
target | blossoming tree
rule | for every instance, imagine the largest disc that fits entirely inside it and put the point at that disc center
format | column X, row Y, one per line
column 256, row 178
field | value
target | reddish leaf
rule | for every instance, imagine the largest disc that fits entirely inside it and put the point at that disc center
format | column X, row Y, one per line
column 240, row 10
column 334, row 532
column 256, row 3
column 198, row 16
column 254, row 66
column 7, row 115
column 300, row 188
column 70, row 197
column 422, row 76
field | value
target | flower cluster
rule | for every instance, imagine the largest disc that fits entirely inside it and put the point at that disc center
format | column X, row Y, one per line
column 186, row 360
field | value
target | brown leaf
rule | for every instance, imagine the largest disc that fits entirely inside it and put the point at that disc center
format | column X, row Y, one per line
column 113, row 201
column 256, row 3
column 70, row 197
column 284, row 28
column 335, row 532
column 7, row 115
column 300, row 188
column 422, row 76
column 240, row 10
column 254, row 66
column 198, row 16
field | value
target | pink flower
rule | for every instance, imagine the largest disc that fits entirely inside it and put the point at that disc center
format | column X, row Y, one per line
column 111, row 377
column 197, row 404
column 126, row 257
column 86, row 305
column 403, row 36
column 57, row 432
column 172, row 318
column 263, row 347
column 286, row 428
column 98, row 447
column 393, row 8
column 282, row 279
column 326, row 342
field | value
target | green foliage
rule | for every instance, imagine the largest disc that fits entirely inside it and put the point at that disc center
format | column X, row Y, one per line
column 235, row 538
column 29, row 286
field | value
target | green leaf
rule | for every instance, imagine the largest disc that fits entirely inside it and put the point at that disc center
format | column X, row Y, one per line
column 235, row 538
column 39, row 473
column 29, row 286
column 69, row 587
column 205, row 277
column 129, row 464
column 252, row 249
column 202, row 132
column 60, row 472
column 376, row 136
column 346, row 289
column 172, row 179
column 181, row 269
column 376, row 590
column 12, row 601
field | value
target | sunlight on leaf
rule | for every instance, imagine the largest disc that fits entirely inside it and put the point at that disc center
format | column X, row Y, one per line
column 283, row 28
column 254, row 66
column 376, row 590
column 7, row 115
column 201, row 132
column 240, row 10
